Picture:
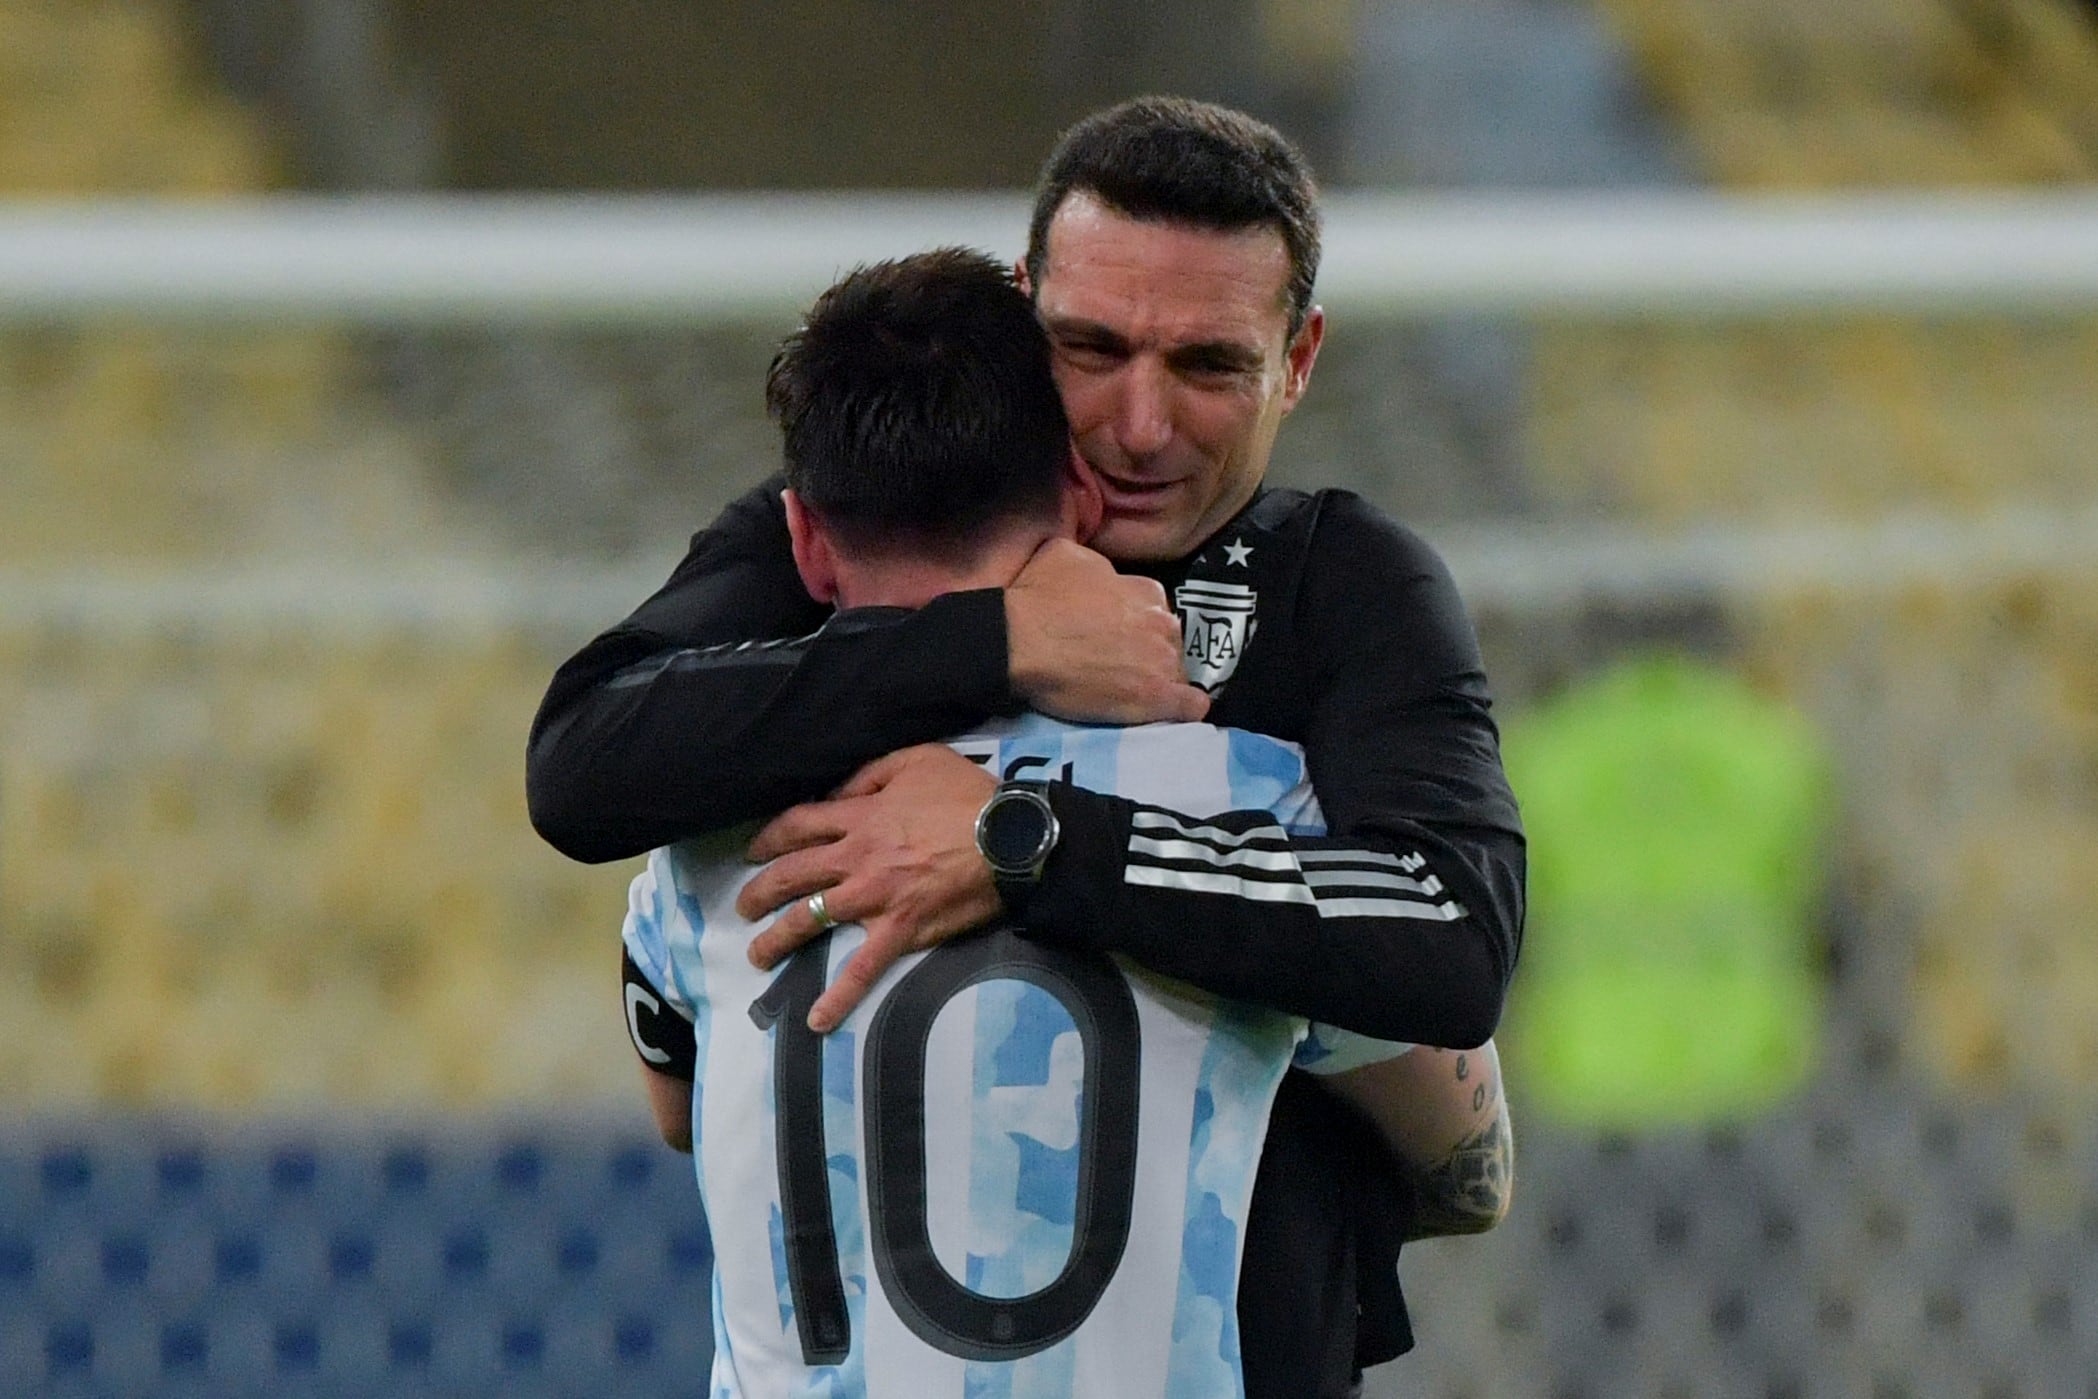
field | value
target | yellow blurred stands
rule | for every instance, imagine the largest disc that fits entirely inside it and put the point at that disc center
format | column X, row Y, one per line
column 128, row 441
column 100, row 96
column 1844, row 420
column 1965, row 726
column 246, row 868
column 1966, row 716
column 242, row 867
column 105, row 97
column 2006, row 969
column 1801, row 94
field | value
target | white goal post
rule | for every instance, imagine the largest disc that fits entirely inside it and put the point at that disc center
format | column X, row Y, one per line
column 645, row 260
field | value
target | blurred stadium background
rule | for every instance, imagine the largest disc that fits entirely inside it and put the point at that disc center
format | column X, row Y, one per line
column 312, row 1073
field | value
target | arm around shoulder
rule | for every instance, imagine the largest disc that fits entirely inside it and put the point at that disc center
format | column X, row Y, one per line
column 610, row 757
column 727, row 696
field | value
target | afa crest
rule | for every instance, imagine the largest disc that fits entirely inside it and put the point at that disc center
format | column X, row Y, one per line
column 1216, row 622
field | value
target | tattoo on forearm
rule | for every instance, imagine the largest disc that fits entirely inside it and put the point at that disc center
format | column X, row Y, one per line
column 1466, row 1192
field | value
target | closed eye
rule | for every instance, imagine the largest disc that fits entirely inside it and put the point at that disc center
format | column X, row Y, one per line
column 1212, row 362
column 1090, row 352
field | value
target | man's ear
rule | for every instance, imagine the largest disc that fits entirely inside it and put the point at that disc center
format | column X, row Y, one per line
column 1083, row 503
column 813, row 557
column 1303, row 352
column 1020, row 277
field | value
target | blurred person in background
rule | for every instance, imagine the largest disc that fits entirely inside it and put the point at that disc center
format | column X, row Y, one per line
column 927, row 453
column 1171, row 257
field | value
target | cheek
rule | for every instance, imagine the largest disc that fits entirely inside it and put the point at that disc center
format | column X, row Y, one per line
column 1087, row 402
column 1224, row 427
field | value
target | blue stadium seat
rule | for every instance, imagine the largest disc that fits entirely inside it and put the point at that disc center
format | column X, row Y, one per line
column 141, row 1255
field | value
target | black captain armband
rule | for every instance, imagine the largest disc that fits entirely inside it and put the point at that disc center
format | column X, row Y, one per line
column 661, row 1035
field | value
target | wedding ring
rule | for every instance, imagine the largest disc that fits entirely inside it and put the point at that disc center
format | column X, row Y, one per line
column 820, row 911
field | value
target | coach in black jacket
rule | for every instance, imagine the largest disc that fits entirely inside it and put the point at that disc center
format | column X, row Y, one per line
column 1171, row 256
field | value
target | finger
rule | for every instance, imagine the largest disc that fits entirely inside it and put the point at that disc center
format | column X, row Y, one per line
column 1188, row 703
column 1148, row 593
column 873, row 777
column 797, row 828
column 1163, row 704
column 795, row 926
column 1165, row 631
column 792, row 876
column 780, row 939
column 855, row 979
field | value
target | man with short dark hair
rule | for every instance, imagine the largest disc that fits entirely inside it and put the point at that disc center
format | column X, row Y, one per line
column 1167, row 259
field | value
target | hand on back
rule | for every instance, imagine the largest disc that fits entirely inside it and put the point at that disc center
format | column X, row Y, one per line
column 894, row 851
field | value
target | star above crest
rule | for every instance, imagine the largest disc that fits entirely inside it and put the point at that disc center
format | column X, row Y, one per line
column 1238, row 552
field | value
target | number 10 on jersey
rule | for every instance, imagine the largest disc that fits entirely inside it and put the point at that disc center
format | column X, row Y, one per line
column 928, row 1299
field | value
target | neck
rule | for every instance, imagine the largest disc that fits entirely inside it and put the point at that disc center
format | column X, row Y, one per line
column 908, row 581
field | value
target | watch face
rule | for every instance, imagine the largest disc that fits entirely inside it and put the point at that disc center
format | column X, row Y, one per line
column 1015, row 828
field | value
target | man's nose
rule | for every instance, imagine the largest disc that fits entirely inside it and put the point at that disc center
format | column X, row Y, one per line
column 1144, row 410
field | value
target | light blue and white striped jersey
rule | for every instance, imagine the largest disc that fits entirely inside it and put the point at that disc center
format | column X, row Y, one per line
column 1014, row 1171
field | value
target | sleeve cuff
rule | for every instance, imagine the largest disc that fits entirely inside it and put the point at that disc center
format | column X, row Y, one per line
column 975, row 664
column 1073, row 904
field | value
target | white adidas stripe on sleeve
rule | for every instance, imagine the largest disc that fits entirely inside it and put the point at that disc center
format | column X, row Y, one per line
column 1259, row 864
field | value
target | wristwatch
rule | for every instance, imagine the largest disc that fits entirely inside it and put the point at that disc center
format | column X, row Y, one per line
column 1016, row 831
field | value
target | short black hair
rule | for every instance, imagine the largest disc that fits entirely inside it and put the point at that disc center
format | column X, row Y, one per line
column 1176, row 160
column 917, row 404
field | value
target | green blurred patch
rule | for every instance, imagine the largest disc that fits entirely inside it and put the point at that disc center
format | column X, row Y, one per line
column 1678, row 826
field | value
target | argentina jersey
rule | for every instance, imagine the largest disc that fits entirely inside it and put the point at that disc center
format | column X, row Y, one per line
column 1015, row 1171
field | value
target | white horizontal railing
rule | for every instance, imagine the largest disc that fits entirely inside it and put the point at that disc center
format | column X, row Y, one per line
column 658, row 260
column 1510, row 567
